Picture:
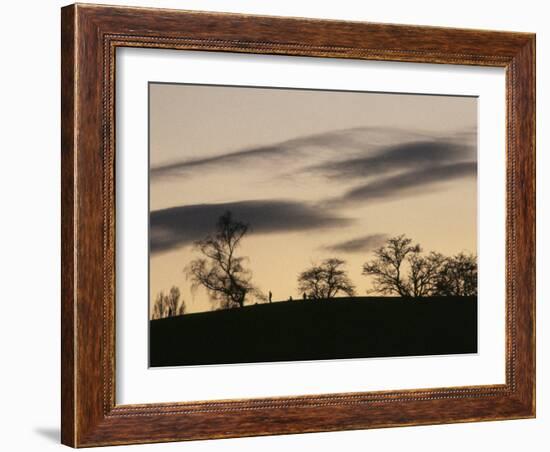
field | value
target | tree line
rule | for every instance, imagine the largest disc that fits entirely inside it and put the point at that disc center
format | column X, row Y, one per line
column 398, row 268
column 168, row 305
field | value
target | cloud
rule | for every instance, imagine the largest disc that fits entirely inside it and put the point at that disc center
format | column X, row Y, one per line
column 358, row 244
column 336, row 142
column 408, row 155
column 406, row 183
column 178, row 226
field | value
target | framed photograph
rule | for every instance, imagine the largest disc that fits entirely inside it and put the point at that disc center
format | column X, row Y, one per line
column 281, row 225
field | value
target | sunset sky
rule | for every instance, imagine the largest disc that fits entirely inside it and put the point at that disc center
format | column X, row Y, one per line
column 316, row 174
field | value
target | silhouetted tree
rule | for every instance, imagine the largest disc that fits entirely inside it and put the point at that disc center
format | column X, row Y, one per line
column 387, row 266
column 399, row 268
column 326, row 280
column 221, row 272
column 458, row 276
column 424, row 273
column 158, row 306
column 168, row 305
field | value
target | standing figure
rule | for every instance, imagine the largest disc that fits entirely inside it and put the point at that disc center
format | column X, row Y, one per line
column 270, row 296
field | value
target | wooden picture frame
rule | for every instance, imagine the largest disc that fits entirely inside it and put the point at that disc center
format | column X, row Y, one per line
column 90, row 36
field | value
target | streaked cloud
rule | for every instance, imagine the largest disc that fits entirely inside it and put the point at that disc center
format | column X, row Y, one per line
column 358, row 245
column 403, row 156
column 335, row 143
column 179, row 226
column 406, row 184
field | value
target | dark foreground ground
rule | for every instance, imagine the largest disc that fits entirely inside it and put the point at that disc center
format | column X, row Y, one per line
column 361, row 327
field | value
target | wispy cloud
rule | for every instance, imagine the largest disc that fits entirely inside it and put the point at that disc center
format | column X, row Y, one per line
column 358, row 245
column 403, row 156
column 379, row 164
column 407, row 183
column 179, row 226
column 334, row 143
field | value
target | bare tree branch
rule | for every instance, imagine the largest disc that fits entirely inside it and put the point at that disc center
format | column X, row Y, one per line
column 326, row 280
column 168, row 305
column 222, row 273
column 399, row 268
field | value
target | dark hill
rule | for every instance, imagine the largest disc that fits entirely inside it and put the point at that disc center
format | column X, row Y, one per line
column 360, row 327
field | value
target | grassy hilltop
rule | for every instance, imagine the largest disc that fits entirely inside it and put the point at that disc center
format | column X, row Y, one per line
column 355, row 327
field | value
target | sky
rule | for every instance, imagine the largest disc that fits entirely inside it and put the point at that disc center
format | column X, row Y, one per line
column 316, row 174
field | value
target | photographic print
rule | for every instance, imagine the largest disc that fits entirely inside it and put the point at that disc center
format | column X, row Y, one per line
column 298, row 224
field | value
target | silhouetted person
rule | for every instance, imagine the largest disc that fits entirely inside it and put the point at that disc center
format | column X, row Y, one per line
column 290, row 298
column 304, row 296
column 270, row 296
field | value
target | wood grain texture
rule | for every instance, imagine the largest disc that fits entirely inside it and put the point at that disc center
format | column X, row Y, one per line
column 90, row 36
column 67, row 226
